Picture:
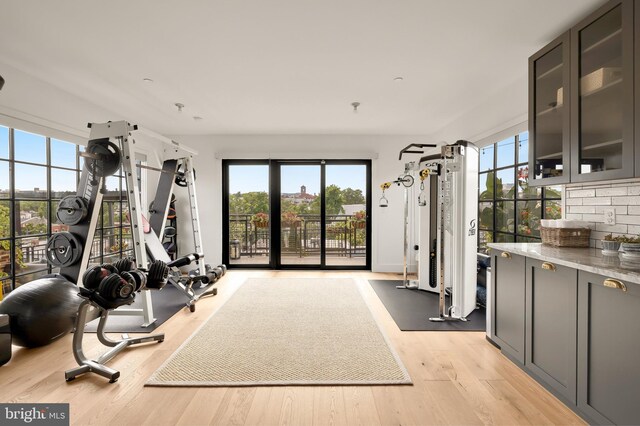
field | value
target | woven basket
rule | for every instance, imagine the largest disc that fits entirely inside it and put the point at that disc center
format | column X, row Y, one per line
column 565, row 237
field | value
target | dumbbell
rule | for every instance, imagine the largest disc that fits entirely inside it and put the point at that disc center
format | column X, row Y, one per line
column 137, row 278
column 218, row 271
column 224, row 268
column 115, row 287
column 124, row 265
column 157, row 275
column 105, row 280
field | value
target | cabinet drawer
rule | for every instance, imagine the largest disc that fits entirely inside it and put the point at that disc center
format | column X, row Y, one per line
column 608, row 349
column 508, row 276
column 551, row 325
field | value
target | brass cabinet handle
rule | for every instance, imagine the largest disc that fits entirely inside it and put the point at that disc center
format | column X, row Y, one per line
column 506, row 255
column 610, row 282
column 548, row 266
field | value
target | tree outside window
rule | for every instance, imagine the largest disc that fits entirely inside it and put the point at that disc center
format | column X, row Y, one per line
column 509, row 210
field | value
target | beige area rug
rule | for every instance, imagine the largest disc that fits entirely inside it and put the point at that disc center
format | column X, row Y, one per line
column 283, row 331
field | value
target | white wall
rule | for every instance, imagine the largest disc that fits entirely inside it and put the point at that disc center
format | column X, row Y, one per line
column 387, row 236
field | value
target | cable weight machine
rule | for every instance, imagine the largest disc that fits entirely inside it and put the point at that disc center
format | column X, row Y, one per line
column 447, row 217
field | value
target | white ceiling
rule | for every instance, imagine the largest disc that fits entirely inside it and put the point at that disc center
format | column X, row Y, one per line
column 282, row 66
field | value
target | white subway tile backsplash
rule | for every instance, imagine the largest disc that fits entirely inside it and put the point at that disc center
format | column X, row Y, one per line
column 625, row 201
column 611, row 191
column 620, row 229
column 618, row 209
column 593, row 218
column 581, row 209
column 581, row 193
column 596, row 201
column 588, row 203
column 573, row 216
column 633, row 229
column 628, row 219
column 633, row 209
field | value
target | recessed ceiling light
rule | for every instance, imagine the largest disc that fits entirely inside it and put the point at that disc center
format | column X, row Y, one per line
column 147, row 80
column 355, row 106
column 197, row 118
column 179, row 106
column 398, row 79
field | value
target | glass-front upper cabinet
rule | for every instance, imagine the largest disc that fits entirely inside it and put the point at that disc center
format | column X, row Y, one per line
column 602, row 94
column 637, row 84
column 549, row 118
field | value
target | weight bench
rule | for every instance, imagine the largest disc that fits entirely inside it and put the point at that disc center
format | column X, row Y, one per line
column 185, row 284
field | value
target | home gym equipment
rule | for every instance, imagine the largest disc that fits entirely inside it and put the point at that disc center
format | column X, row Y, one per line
column 177, row 170
column 72, row 210
column 170, row 233
column 5, row 339
column 41, row 311
column 109, row 149
column 196, row 278
column 107, row 287
column 447, row 216
column 64, row 249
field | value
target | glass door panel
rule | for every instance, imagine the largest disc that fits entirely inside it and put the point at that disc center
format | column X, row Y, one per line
column 346, row 215
column 300, row 214
column 601, row 94
column 249, row 215
column 550, row 113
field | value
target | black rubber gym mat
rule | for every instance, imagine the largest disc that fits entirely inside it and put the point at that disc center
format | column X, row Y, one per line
column 411, row 309
column 166, row 303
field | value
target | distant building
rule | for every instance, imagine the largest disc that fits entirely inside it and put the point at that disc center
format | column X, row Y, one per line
column 350, row 209
column 299, row 197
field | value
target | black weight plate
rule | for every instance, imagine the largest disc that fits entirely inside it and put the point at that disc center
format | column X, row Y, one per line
column 72, row 210
column 63, row 249
column 109, row 157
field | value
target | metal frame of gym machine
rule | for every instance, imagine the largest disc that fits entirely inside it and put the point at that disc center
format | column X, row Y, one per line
column 447, row 251
column 90, row 189
column 178, row 162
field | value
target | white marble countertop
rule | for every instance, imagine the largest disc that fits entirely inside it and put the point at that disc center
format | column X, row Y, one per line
column 586, row 259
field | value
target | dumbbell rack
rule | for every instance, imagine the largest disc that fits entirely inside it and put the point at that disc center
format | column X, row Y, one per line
column 98, row 366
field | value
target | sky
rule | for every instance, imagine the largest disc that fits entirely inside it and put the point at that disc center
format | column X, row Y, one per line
column 32, row 148
column 251, row 178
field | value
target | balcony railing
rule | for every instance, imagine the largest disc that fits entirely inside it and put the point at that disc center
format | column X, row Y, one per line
column 344, row 236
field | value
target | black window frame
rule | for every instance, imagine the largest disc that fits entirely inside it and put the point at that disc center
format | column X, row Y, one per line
column 545, row 195
column 15, row 277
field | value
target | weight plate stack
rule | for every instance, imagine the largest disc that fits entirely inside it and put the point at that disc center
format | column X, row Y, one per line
column 108, row 161
column 72, row 210
column 63, row 249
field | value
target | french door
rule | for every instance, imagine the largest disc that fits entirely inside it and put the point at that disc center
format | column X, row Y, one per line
column 285, row 214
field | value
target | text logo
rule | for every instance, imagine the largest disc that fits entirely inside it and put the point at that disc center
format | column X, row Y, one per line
column 34, row 414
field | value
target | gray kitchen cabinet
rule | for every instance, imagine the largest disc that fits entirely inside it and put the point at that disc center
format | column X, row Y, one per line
column 608, row 349
column 637, row 86
column 584, row 100
column 602, row 94
column 551, row 325
column 508, row 278
column 549, row 118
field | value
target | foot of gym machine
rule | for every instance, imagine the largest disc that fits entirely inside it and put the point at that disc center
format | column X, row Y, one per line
column 97, row 366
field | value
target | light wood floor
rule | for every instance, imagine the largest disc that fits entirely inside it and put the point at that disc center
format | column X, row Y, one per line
column 459, row 378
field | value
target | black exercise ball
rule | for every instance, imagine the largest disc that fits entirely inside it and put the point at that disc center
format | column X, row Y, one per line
column 41, row 311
